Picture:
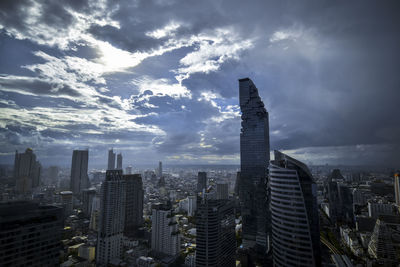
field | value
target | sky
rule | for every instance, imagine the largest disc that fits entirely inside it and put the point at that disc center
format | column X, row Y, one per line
column 158, row 79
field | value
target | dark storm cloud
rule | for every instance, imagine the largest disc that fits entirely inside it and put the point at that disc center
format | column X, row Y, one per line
column 36, row 86
column 327, row 72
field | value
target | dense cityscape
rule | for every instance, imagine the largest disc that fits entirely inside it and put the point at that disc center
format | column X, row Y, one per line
column 261, row 213
column 212, row 133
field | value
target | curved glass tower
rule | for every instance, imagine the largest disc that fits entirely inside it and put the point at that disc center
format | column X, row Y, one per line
column 294, row 211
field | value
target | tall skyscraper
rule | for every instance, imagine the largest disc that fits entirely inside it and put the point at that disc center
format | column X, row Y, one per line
column 119, row 161
column 26, row 171
column 67, row 200
column 201, row 181
column 87, row 200
column 79, row 171
column 111, row 160
column 254, row 160
column 112, row 218
column 222, row 191
column 397, row 188
column 165, row 237
column 134, row 204
column 30, row 235
column 294, row 209
column 160, row 171
column 215, row 232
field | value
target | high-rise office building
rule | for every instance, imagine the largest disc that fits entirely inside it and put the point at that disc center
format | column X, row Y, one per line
column 111, row 160
column 237, row 184
column 165, row 237
column 160, row 170
column 119, row 161
column 67, row 201
column 215, row 232
column 112, row 218
column 26, row 171
column 201, row 181
column 191, row 205
column 94, row 216
column 87, row 201
column 254, row 160
column 134, row 204
column 128, row 170
column 30, row 235
column 397, row 188
column 222, row 191
column 79, row 171
column 294, row 209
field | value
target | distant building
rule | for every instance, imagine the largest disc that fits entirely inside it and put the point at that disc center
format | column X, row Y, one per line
column 79, row 171
column 134, row 204
column 67, row 201
column 215, row 233
column 397, row 188
column 201, row 181
column 87, row 200
column 119, row 161
column 128, row 170
column 237, row 184
column 294, row 210
column 95, row 214
column 26, row 171
column 111, row 160
column 192, row 205
column 30, row 235
column 346, row 211
column 359, row 197
column 377, row 209
column 254, row 160
column 165, row 237
column 222, row 191
column 112, row 218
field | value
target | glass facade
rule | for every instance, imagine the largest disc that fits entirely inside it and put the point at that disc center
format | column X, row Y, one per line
column 254, row 160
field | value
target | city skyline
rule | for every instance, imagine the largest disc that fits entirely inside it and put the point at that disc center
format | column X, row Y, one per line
column 100, row 75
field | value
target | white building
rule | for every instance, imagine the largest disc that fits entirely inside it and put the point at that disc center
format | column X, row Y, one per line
column 192, row 205
column 165, row 237
column 112, row 218
column 376, row 209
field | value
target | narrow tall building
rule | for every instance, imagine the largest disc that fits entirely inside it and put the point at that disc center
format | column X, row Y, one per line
column 119, row 161
column 112, row 218
column 397, row 188
column 79, row 171
column 111, row 160
column 160, row 170
column 134, row 204
column 294, row 209
column 201, row 181
column 30, row 235
column 87, row 201
column 26, row 171
column 222, row 191
column 165, row 237
column 254, row 160
column 215, row 232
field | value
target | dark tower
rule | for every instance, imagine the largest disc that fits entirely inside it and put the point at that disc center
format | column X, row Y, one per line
column 254, row 160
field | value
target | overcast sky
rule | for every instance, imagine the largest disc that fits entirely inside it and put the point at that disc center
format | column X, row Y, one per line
column 158, row 80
